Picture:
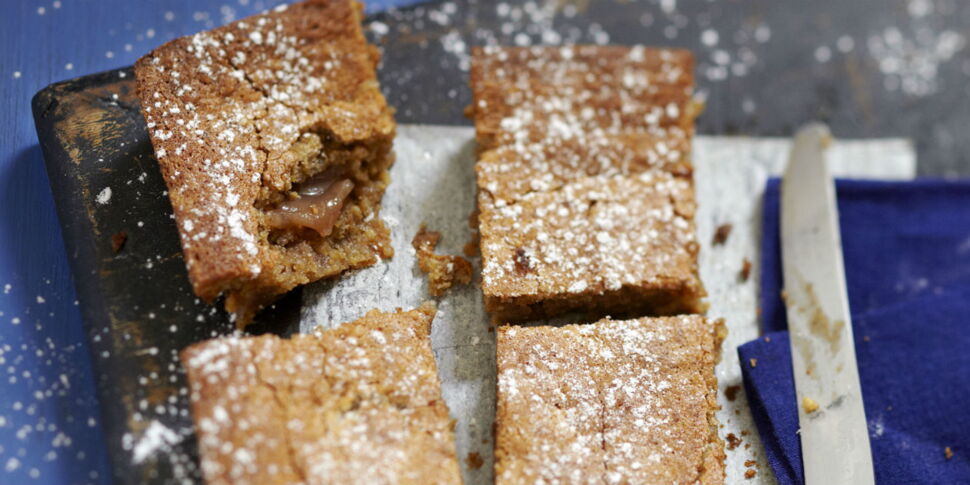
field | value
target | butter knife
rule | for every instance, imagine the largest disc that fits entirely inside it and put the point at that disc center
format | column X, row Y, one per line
column 831, row 417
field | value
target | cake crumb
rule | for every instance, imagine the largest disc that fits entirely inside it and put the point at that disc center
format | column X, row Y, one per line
column 731, row 392
column 865, row 338
column 809, row 405
column 750, row 463
column 443, row 270
column 470, row 249
column 721, row 234
column 750, row 473
column 745, row 270
column 948, row 453
column 732, row 441
column 754, row 362
column 474, row 460
column 118, row 241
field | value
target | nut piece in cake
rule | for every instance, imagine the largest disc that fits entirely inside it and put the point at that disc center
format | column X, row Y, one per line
column 618, row 245
column 443, row 270
column 275, row 143
column 360, row 403
column 585, row 181
column 610, row 402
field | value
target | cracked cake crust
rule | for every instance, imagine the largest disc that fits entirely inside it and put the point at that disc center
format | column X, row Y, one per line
column 610, row 402
column 360, row 403
column 239, row 116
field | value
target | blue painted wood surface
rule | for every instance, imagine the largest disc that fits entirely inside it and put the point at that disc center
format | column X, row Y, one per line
column 49, row 417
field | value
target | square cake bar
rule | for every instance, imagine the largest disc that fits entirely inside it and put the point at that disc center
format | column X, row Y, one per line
column 360, row 403
column 610, row 245
column 275, row 142
column 524, row 95
column 585, row 184
column 610, row 402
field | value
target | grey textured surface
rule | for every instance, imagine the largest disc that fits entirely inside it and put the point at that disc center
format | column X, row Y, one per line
column 433, row 182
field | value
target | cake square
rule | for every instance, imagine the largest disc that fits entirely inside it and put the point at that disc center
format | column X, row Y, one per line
column 585, row 182
column 360, row 403
column 275, row 142
column 612, row 402
column 607, row 245
column 529, row 94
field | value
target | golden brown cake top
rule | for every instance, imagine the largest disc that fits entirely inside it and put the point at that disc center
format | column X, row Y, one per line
column 527, row 95
column 509, row 171
column 590, row 236
column 615, row 401
column 224, row 109
column 360, row 403
column 582, row 64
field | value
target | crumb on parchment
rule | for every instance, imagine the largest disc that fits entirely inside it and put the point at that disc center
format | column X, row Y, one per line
column 745, row 272
column 721, row 234
column 443, row 270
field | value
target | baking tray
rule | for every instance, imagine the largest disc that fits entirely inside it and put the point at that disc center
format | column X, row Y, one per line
column 137, row 305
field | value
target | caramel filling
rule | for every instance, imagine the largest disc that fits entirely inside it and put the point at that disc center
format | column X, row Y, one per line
column 317, row 205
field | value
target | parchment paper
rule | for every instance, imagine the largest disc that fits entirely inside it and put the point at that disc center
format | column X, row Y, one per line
column 433, row 181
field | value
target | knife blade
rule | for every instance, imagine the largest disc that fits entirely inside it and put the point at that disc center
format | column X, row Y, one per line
column 831, row 417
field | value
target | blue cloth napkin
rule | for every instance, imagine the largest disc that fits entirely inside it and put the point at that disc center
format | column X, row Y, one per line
column 907, row 257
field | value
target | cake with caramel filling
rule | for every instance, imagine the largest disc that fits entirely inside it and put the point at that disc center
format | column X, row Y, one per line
column 585, row 188
column 360, row 403
column 275, row 143
column 609, row 402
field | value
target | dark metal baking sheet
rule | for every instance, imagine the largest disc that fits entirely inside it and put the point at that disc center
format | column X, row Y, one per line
column 137, row 303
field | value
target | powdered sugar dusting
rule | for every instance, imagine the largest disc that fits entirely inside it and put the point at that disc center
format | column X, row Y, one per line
column 157, row 438
column 104, row 196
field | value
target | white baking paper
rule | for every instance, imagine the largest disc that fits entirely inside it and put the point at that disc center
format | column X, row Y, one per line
column 433, row 181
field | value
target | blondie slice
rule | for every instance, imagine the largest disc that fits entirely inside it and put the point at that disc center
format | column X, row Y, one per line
column 360, row 403
column 610, row 402
column 617, row 245
column 275, row 143
column 585, row 182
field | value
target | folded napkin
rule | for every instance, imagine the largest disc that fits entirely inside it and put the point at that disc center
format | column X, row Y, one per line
column 906, row 247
